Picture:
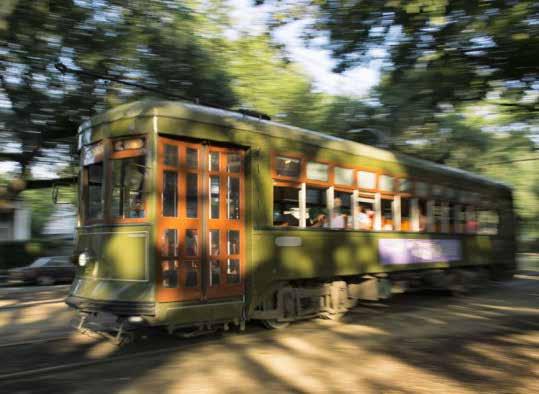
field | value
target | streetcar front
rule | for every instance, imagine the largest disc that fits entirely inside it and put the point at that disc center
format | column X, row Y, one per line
column 114, row 235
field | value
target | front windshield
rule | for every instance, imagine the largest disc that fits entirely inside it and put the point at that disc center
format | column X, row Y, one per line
column 128, row 187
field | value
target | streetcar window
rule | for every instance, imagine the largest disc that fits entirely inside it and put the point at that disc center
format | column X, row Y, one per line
column 233, row 162
column 214, row 161
column 169, row 270
column 316, row 207
column 405, row 186
column 215, row 277
column 437, row 214
column 461, row 219
column 233, row 198
column 488, row 222
column 387, row 215
column 214, row 243
column 366, row 180
column 171, row 242
column 192, row 158
column 288, row 167
column 214, row 196
column 317, row 171
column 285, row 206
column 233, row 242
column 406, row 214
column 471, row 220
column 342, row 204
column 421, row 189
column 191, row 273
column 423, row 215
column 170, row 194
column 95, row 191
column 452, row 217
column 171, row 155
column 191, row 195
column 128, row 187
column 191, row 243
column 387, row 183
column 366, row 214
column 233, row 271
column 344, row 176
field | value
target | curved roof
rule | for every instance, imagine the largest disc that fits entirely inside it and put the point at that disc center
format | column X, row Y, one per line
column 239, row 121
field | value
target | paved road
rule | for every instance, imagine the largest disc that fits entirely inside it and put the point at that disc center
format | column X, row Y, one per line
column 484, row 342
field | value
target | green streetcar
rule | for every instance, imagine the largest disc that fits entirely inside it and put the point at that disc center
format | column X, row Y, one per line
column 195, row 217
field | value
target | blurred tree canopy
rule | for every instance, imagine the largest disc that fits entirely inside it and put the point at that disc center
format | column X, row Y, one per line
column 440, row 52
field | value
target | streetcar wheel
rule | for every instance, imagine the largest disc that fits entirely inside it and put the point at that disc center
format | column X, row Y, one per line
column 45, row 281
column 275, row 325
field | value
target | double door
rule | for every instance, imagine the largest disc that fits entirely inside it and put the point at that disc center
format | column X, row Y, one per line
column 201, row 217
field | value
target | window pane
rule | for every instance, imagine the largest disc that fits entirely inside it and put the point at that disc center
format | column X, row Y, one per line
column 285, row 206
column 366, row 214
column 488, row 222
column 214, row 243
column 128, row 187
column 171, row 242
column 192, row 195
column 386, row 183
column 169, row 273
column 437, row 190
column 233, row 271
column 317, row 171
column 134, row 186
column 342, row 216
column 192, row 158
column 233, row 198
column 406, row 210
column 233, row 162
column 117, row 199
column 367, row 180
column 405, row 186
column 286, row 166
column 421, row 189
column 191, row 242
column 171, row 155
column 344, row 176
column 170, row 193
column 95, row 191
column 233, row 242
column 214, row 161
column 215, row 269
column 387, row 215
column 191, row 273
column 214, row 197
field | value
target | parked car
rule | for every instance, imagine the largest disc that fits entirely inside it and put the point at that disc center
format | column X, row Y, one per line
column 44, row 271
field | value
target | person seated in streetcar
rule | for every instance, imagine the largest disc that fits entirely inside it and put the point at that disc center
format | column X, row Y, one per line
column 317, row 218
column 337, row 219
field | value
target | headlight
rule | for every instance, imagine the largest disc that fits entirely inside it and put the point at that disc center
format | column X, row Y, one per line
column 84, row 258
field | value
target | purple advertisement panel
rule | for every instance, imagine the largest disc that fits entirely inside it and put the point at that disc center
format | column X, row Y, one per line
column 414, row 251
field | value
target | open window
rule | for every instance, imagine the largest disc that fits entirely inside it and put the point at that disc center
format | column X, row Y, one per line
column 388, row 223
column 342, row 205
column 406, row 214
column 316, row 204
column 285, row 206
column 366, row 213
